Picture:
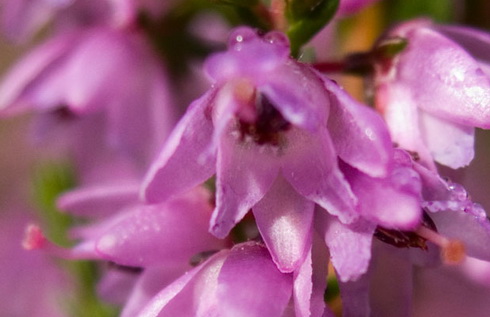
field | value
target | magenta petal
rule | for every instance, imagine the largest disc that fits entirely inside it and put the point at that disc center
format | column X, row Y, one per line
column 191, row 295
column 392, row 202
column 284, row 220
column 249, row 284
column 245, row 173
column 310, row 166
column 171, row 232
column 349, row 245
column 359, row 134
column 99, row 200
column 180, row 166
column 450, row 144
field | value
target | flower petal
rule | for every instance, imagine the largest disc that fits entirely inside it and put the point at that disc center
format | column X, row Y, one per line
column 245, row 172
column 284, row 220
column 450, row 144
column 162, row 234
column 359, row 134
column 179, row 166
column 249, row 284
column 310, row 166
column 349, row 245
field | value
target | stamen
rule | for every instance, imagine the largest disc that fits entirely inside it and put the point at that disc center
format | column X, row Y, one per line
column 34, row 239
column 452, row 251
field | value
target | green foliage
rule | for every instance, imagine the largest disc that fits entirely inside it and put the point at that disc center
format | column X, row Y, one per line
column 438, row 10
column 306, row 18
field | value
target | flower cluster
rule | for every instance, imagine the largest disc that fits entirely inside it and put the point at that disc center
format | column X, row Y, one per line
column 277, row 193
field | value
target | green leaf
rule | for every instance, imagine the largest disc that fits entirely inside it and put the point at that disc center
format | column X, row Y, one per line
column 438, row 10
column 306, row 18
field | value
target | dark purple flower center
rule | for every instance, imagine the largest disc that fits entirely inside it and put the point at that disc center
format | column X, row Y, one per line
column 268, row 126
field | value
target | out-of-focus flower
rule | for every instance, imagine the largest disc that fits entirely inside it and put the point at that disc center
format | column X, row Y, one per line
column 108, row 77
column 272, row 130
column 435, row 91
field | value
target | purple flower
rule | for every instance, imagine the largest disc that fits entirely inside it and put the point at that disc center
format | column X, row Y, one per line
column 435, row 91
column 107, row 77
column 272, row 130
column 243, row 281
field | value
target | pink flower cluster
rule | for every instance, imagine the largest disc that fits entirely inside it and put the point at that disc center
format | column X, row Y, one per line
column 274, row 181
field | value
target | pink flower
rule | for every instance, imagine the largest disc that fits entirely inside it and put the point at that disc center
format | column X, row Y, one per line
column 273, row 131
column 107, row 78
column 435, row 91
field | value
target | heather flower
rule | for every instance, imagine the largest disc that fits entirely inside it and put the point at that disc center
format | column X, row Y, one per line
column 243, row 281
column 452, row 231
column 436, row 86
column 105, row 78
column 272, row 130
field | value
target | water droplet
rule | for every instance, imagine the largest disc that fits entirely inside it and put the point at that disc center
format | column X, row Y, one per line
column 239, row 36
column 277, row 38
column 458, row 192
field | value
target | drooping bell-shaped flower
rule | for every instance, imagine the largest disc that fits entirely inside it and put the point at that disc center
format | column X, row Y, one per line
column 272, row 129
column 435, row 91
column 105, row 76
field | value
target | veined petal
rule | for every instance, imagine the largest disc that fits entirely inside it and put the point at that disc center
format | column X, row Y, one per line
column 450, row 144
column 349, row 245
column 180, row 166
column 359, row 134
column 284, row 219
column 167, row 233
column 310, row 166
column 250, row 285
column 245, row 172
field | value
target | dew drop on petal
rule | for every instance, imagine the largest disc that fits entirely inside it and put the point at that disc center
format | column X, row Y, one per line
column 239, row 36
column 277, row 38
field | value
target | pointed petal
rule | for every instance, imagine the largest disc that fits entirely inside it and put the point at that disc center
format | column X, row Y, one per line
column 359, row 134
column 284, row 220
column 245, row 173
column 161, row 234
column 310, row 282
column 450, row 144
column 349, row 245
column 179, row 167
column 310, row 166
column 249, row 284
column 99, row 200
column 392, row 202
column 189, row 295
